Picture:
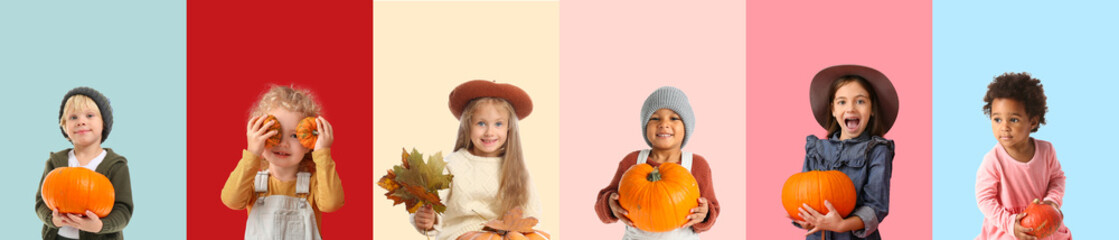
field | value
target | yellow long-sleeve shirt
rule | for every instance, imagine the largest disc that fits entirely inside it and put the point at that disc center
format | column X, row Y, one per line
column 326, row 188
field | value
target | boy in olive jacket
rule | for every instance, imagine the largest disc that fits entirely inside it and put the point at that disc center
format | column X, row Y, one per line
column 86, row 118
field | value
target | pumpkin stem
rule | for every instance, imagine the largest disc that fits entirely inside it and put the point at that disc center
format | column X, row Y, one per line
column 654, row 176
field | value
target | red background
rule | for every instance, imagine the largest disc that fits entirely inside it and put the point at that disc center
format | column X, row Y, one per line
column 235, row 50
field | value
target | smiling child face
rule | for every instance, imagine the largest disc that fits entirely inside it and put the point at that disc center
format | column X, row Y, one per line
column 84, row 126
column 488, row 128
column 82, row 121
column 1010, row 123
column 289, row 152
column 665, row 129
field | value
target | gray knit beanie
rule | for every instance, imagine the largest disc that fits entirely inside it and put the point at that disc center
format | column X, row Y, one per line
column 673, row 99
column 102, row 103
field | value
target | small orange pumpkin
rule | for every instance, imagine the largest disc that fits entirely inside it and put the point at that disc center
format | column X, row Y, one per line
column 511, row 226
column 489, row 235
column 275, row 139
column 813, row 187
column 1043, row 218
column 308, row 132
column 658, row 199
column 77, row 189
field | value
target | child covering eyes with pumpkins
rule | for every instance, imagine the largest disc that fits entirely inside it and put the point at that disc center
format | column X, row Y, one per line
column 286, row 177
column 667, row 122
column 86, row 118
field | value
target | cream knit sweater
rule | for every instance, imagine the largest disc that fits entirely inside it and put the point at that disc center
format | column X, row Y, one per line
column 472, row 199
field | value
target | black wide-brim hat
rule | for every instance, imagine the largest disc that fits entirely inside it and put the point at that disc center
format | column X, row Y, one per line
column 102, row 103
column 887, row 99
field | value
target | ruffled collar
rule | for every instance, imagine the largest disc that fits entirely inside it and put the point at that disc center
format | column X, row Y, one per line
column 835, row 153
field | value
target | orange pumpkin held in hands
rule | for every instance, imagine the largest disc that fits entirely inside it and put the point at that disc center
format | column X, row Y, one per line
column 77, row 189
column 1043, row 218
column 308, row 132
column 275, row 139
column 658, row 199
column 512, row 226
column 813, row 187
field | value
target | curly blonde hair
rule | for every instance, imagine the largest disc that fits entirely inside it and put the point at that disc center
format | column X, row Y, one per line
column 293, row 99
column 290, row 98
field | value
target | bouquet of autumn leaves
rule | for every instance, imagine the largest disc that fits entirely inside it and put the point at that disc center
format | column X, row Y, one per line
column 416, row 183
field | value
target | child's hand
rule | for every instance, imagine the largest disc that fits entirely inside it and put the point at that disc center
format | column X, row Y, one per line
column 326, row 134
column 699, row 213
column 1020, row 231
column 60, row 220
column 425, row 216
column 829, row 222
column 617, row 209
column 88, row 222
column 805, row 225
column 257, row 133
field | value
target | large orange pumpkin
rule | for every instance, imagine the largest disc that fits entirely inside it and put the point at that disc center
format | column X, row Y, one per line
column 308, row 132
column 275, row 139
column 813, row 187
column 77, row 189
column 1043, row 218
column 658, row 199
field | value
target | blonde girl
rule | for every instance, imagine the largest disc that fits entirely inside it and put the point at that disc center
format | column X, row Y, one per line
column 487, row 162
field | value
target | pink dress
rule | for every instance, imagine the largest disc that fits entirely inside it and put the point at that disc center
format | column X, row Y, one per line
column 1004, row 187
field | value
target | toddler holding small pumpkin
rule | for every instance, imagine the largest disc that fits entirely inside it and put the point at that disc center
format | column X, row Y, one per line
column 1019, row 169
column 667, row 122
column 490, row 176
column 286, row 176
column 86, row 118
column 857, row 105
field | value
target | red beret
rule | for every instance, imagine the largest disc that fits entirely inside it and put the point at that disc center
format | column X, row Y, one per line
column 474, row 89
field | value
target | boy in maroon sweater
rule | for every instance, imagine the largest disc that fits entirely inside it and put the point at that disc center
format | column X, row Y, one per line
column 666, row 122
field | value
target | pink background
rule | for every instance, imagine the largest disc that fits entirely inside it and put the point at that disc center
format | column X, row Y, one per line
column 789, row 42
column 613, row 54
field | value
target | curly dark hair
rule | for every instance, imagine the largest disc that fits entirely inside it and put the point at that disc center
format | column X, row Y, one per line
column 1020, row 87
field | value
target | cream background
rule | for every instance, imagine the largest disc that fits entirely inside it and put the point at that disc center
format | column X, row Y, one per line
column 422, row 50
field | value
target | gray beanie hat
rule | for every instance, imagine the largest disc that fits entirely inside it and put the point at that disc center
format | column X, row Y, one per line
column 102, row 103
column 673, row 99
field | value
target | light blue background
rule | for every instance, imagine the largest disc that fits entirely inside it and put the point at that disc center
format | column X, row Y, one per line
column 1072, row 48
column 134, row 52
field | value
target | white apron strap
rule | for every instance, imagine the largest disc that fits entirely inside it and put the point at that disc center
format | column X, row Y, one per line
column 685, row 158
column 642, row 157
column 260, row 183
column 303, row 183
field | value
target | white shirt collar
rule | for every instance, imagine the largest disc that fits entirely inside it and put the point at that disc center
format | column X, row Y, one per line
column 73, row 161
